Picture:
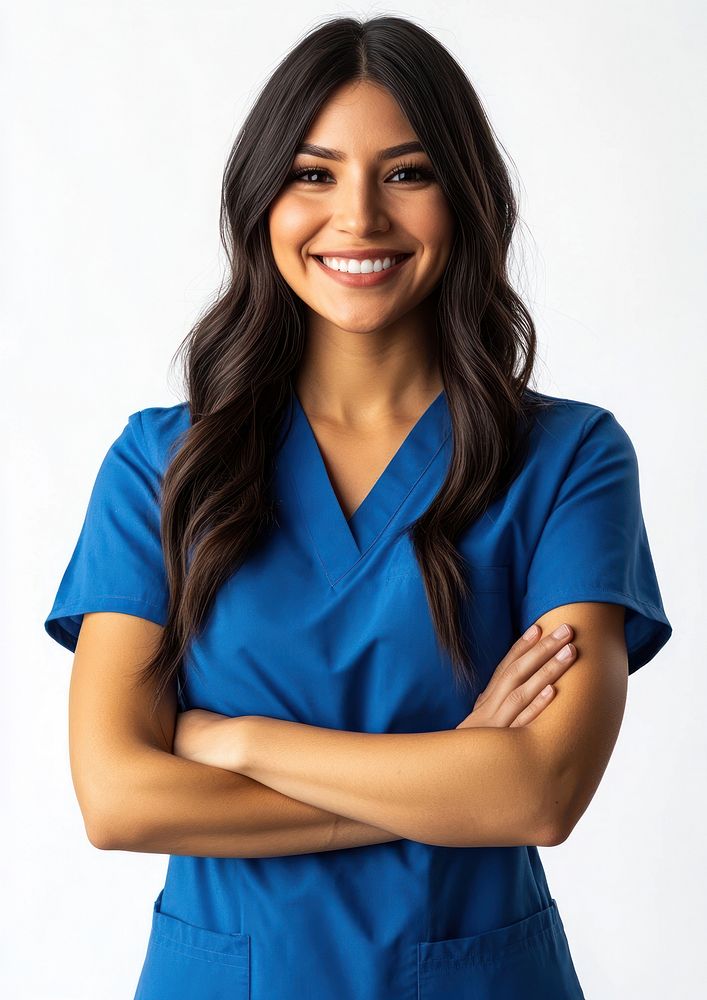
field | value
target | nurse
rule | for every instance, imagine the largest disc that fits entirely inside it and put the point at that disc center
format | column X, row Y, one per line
column 299, row 600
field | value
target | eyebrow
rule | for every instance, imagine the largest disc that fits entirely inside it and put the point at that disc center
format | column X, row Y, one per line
column 392, row 152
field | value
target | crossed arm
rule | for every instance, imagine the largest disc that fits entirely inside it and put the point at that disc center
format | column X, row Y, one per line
column 322, row 789
column 295, row 788
column 421, row 786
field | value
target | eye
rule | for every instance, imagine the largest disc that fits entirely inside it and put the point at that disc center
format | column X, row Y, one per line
column 302, row 171
column 402, row 168
column 322, row 172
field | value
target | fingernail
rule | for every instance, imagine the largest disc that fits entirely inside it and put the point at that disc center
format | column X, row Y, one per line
column 561, row 631
column 531, row 632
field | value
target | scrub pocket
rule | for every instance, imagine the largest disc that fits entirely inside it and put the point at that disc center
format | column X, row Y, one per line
column 186, row 962
column 528, row 959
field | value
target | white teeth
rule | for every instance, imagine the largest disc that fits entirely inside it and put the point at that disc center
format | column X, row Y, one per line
column 352, row 266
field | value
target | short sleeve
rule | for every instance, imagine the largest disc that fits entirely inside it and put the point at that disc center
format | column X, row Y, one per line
column 117, row 562
column 593, row 545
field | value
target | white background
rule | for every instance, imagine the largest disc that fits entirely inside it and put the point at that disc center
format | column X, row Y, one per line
column 117, row 119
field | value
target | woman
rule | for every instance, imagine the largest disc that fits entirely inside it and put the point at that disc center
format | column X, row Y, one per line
column 327, row 559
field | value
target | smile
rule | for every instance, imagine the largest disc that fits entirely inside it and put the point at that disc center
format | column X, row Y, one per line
column 363, row 272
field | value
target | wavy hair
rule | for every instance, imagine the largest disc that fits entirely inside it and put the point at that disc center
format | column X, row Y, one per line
column 242, row 353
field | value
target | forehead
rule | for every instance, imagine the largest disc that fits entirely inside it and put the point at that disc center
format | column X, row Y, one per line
column 359, row 117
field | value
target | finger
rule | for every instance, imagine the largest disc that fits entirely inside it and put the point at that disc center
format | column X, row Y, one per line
column 536, row 706
column 508, row 677
column 521, row 696
column 519, row 647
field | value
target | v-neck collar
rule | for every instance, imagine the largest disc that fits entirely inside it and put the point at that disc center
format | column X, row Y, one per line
column 340, row 543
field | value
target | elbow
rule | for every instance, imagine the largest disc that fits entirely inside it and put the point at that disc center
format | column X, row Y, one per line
column 107, row 823
column 95, row 822
column 563, row 825
column 106, row 834
column 103, row 831
column 100, row 836
column 549, row 832
column 98, row 830
column 552, row 835
column 560, row 817
column 110, row 807
column 555, row 815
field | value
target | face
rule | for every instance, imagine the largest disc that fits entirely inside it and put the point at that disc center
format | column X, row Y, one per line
column 351, row 204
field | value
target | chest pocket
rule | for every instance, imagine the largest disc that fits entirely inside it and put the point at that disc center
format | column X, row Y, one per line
column 528, row 959
column 193, row 963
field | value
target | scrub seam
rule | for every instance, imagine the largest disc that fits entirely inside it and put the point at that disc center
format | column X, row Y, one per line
column 66, row 608
column 436, row 965
column 412, row 487
column 607, row 590
column 191, row 951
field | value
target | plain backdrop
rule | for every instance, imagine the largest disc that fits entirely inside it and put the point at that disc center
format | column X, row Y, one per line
column 117, row 119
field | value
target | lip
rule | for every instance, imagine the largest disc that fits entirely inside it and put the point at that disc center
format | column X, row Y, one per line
column 362, row 280
column 370, row 254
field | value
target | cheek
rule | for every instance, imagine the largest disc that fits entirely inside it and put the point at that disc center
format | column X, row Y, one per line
column 290, row 224
column 435, row 224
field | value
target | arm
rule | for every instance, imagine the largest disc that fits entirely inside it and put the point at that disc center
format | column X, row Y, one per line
column 471, row 787
column 134, row 794
column 163, row 804
column 465, row 787
column 577, row 732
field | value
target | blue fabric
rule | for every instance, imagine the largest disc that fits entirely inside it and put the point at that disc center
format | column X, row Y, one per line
column 592, row 545
column 117, row 562
column 327, row 623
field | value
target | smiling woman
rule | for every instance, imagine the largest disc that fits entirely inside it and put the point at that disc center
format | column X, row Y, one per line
column 364, row 207
column 300, row 600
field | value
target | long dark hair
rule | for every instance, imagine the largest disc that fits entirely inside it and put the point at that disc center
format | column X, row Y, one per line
column 241, row 355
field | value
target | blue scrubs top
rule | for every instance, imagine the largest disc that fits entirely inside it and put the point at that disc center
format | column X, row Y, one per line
column 327, row 623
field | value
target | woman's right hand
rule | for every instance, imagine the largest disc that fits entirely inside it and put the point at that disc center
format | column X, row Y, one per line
column 514, row 695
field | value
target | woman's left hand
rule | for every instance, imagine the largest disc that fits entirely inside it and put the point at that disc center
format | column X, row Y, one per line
column 208, row 738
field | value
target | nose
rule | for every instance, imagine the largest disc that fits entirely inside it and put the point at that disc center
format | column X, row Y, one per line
column 358, row 207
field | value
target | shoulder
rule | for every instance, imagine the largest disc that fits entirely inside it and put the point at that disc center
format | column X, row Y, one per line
column 562, row 426
column 158, row 431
